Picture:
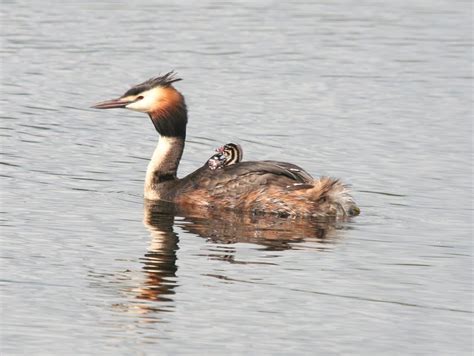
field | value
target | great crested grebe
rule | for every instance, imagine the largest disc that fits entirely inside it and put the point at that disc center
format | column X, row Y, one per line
column 230, row 153
column 253, row 186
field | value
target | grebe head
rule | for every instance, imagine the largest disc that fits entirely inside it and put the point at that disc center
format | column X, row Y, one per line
column 234, row 153
column 159, row 99
column 145, row 97
column 226, row 155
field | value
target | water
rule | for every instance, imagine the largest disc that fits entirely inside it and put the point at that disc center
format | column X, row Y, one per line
column 377, row 94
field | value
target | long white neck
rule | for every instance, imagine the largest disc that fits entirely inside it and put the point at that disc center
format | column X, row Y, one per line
column 163, row 165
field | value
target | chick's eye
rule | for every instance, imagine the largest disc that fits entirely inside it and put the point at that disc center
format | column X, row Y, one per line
column 139, row 98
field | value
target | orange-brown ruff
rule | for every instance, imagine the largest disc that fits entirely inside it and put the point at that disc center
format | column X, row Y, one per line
column 254, row 186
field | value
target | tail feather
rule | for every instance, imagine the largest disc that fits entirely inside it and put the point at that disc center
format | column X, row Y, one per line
column 331, row 196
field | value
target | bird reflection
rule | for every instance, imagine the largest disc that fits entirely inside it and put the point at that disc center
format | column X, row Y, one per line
column 160, row 260
column 222, row 228
column 272, row 232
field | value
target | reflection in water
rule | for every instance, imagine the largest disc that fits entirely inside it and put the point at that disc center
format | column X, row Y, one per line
column 223, row 227
column 160, row 260
column 157, row 280
column 275, row 233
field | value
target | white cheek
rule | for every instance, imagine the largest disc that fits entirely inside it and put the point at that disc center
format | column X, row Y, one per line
column 150, row 98
column 140, row 105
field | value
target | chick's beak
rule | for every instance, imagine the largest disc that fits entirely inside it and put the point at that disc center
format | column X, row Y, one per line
column 113, row 104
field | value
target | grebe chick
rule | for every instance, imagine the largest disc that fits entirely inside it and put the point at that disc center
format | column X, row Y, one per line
column 226, row 155
column 252, row 186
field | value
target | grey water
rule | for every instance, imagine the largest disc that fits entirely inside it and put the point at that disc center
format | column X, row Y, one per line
column 378, row 94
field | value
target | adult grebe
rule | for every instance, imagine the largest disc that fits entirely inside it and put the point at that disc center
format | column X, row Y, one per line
column 230, row 153
column 254, row 186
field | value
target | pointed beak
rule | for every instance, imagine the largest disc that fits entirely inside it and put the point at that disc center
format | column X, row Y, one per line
column 113, row 104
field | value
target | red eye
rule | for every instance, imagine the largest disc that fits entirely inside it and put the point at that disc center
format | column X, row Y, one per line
column 139, row 98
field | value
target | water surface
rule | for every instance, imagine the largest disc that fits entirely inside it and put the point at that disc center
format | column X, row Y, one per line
column 379, row 95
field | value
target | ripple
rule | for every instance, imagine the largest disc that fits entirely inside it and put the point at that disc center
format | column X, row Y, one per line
column 41, row 108
column 9, row 164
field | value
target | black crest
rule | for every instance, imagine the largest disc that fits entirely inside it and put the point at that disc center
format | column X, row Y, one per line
column 163, row 81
